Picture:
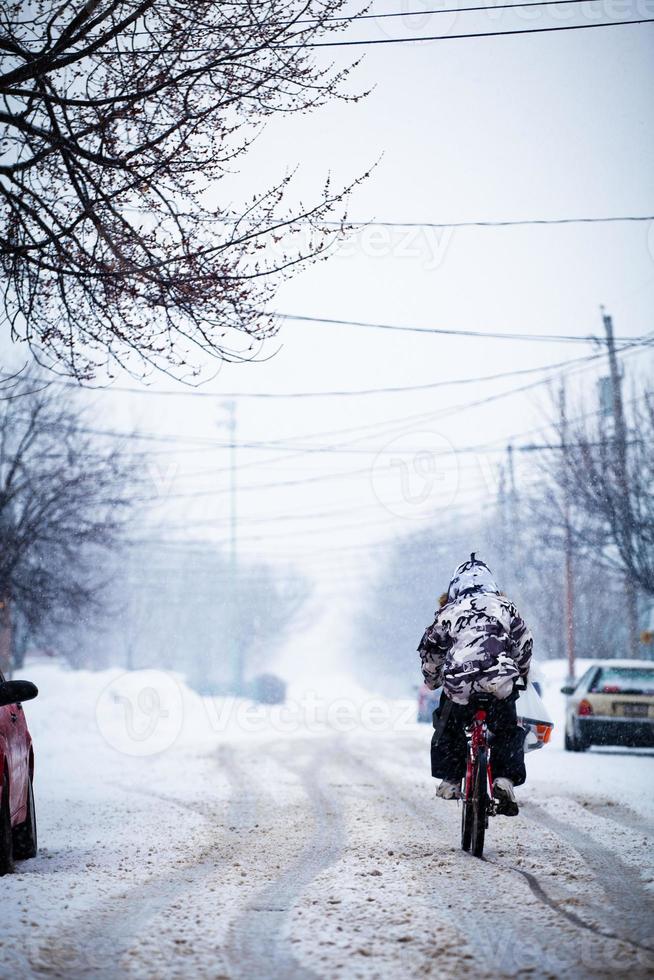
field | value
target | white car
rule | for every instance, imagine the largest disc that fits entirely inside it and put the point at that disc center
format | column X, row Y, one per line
column 611, row 704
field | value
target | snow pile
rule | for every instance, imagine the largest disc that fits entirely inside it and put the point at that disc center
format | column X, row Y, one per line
column 144, row 714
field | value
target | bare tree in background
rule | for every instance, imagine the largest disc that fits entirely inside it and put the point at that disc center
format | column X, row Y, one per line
column 118, row 118
column 402, row 596
column 64, row 503
column 610, row 494
column 172, row 603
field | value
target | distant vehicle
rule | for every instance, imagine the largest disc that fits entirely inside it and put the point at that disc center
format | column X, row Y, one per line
column 17, row 813
column 611, row 704
column 268, row 689
column 427, row 701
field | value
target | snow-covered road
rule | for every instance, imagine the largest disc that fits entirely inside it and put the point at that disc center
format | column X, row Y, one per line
column 270, row 849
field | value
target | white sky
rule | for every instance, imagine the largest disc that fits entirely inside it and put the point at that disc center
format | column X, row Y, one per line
column 535, row 126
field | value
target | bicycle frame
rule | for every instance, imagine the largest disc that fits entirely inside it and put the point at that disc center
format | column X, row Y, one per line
column 479, row 802
column 477, row 735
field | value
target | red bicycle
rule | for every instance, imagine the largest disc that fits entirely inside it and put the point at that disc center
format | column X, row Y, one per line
column 478, row 801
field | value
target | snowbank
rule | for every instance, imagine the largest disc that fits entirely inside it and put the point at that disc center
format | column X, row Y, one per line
column 133, row 720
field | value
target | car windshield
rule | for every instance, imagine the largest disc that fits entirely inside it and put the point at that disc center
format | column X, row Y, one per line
column 624, row 680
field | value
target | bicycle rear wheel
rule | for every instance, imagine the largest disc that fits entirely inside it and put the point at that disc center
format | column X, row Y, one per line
column 479, row 804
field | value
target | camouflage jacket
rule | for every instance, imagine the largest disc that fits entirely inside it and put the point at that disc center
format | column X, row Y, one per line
column 478, row 642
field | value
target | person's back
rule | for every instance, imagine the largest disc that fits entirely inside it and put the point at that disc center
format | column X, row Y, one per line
column 478, row 643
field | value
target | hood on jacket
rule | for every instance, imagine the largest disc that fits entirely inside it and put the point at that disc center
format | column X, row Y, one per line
column 470, row 577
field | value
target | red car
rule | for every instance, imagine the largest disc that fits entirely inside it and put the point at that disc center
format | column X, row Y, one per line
column 17, row 814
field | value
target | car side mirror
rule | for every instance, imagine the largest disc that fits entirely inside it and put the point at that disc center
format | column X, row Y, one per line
column 12, row 692
column 568, row 689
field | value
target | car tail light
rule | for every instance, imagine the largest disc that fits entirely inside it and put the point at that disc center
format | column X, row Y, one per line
column 585, row 708
column 543, row 732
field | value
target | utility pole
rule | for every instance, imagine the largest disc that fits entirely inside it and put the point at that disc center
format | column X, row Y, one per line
column 7, row 522
column 5, row 637
column 509, row 456
column 620, row 440
column 236, row 659
column 515, row 571
column 569, row 569
column 501, row 506
column 513, row 496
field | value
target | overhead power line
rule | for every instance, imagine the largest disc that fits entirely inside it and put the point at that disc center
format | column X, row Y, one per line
column 345, row 447
column 460, row 37
column 443, row 10
column 137, row 52
column 492, row 448
column 428, row 386
column 445, row 383
column 450, row 332
column 389, row 521
column 474, row 223
column 193, row 544
column 394, row 14
column 509, row 223
column 338, row 447
column 626, row 342
column 298, row 450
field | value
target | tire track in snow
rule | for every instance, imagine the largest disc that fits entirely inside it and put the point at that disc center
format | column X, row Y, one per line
column 256, row 946
column 623, row 815
column 540, row 893
column 107, row 933
column 622, row 885
column 598, row 860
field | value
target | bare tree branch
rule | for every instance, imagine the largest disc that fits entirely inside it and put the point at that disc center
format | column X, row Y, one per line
column 118, row 120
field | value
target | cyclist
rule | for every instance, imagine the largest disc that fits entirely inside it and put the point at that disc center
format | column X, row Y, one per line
column 478, row 643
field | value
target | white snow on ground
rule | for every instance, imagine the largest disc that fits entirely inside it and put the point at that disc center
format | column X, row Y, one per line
column 184, row 836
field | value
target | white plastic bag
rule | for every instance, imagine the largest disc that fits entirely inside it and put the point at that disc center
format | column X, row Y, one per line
column 534, row 717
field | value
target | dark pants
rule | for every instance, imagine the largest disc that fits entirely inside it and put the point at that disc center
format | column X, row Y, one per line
column 448, row 744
